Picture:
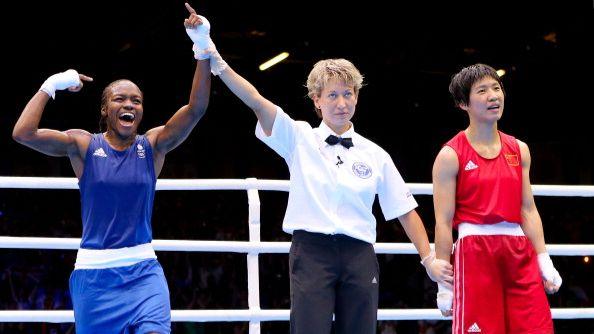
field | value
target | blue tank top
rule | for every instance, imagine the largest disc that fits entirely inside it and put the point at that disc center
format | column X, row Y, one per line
column 117, row 190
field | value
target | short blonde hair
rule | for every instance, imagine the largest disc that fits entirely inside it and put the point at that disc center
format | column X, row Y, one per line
column 332, row 69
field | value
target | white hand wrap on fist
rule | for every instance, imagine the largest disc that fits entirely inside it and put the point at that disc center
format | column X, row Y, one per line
column 200, row 35
column 204, row 47
column 445, row 298
column 61, row 81
column 548, row 271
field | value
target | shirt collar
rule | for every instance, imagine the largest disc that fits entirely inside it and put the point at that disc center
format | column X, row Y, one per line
column 324, row 131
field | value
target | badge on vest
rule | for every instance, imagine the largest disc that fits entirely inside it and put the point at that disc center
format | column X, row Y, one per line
column 140, row 151
column 362, row 170
column 512, row 159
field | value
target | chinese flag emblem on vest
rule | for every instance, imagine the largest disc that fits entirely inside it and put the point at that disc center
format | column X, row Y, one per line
column 512, row 159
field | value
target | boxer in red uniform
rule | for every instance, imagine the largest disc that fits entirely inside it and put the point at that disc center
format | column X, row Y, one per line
column 481, row 187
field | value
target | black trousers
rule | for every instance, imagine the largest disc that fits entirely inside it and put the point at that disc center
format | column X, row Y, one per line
column 332, row 274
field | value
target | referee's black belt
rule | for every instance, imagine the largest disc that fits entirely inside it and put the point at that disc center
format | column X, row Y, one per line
column 325, row 239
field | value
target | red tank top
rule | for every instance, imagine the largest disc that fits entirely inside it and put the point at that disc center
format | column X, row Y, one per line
column 488, row 191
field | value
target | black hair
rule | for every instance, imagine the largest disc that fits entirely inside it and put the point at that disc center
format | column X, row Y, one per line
column 104, row 98
column 462, row 81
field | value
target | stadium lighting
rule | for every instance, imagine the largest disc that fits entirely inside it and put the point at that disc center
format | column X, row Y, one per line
column 273, row 61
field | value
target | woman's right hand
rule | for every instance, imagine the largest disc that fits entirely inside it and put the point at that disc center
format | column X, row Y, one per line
column 70, row 79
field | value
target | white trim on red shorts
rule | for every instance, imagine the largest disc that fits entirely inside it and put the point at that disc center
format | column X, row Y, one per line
column 503, row 228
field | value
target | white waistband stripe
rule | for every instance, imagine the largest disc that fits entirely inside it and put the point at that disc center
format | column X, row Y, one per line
column 111, row 258
column 503, row 228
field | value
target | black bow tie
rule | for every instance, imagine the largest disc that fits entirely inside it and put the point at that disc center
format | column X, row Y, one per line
column 346, row 142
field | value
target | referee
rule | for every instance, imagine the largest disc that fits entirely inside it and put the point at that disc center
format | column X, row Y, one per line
column 335, row 175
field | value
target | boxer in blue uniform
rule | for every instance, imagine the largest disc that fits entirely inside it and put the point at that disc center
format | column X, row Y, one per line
column 117, row 285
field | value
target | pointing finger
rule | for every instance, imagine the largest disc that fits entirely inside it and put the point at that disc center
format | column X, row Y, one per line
column 83, row 77
column 190, row 9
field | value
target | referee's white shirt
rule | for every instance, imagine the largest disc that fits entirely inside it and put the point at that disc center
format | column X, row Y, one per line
column 330, row 197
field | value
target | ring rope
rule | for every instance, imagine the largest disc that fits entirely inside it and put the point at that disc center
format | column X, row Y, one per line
column 254, row 247
column 250, row 247
column 15, row 182
column 266, row 315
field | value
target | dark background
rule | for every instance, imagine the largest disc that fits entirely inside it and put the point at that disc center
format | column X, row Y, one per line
column 407, row 55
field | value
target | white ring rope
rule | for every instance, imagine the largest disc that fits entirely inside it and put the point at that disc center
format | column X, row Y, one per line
column 267, row 315
column 240, row 184
column 254, row 247
column 250, row 247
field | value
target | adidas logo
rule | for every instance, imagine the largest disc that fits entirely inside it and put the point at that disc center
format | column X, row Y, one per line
column 374, row 280
column 470, row 165
column 100, row 153
column 474, row 328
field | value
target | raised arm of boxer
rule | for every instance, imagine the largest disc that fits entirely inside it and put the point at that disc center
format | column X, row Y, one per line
column 71, row 143
column 167, row 137
column 204, row 47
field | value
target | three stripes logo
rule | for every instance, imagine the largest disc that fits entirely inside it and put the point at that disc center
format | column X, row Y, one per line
column 100, row 153
column 470, row 165
column 474, row 328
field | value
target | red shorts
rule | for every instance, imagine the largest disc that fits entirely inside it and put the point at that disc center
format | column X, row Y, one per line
column 498, row 288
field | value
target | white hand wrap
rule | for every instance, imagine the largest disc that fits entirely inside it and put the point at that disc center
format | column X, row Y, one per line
column 60, row 81
column 204, row 47
column 201, row 34
column 201, row 54
column 445, row 298
column 547, row 270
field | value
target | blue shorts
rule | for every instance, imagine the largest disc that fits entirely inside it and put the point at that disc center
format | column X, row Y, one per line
column 131, row 299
